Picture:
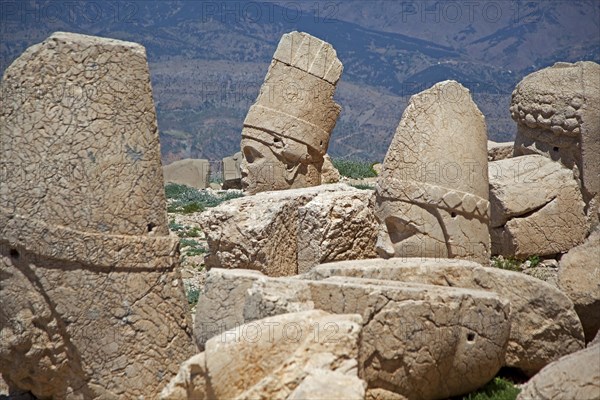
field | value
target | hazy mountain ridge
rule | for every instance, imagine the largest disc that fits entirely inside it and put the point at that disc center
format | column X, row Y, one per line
column 208, row 63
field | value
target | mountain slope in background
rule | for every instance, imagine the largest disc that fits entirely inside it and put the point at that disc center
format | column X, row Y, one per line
column 208, row 59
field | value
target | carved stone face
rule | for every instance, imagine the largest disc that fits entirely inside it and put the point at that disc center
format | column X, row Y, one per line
column 273, row 162
column 408, row 231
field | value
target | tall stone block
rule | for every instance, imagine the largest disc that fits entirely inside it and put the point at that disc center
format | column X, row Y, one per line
column 557, row 110
column 92, row 305
column 286, row 132
column 432, row 195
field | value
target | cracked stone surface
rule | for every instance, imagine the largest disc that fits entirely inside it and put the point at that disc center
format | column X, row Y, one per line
column 191, row 172
column 579, row 278
column 285, row 356
column 432, row 195
column 419, row 341
column 276, row 232
column 557, row 110
column 500, row 151
column 91, row 301
column 575, row 376
column 544, row 324
column 286, row 131
column 536, row 207
column 336, row 226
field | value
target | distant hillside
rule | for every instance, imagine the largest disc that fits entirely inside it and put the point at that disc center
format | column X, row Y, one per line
column 208, row 59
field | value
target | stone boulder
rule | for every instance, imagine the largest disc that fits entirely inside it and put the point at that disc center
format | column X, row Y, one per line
column 557, row 110
column 286, row 356
column 265, row 232
column 575, row 376
column 336, row 226
column 499, row 151
column 432, row 195
column 579, row 279
column 286, row 131
column 231, row 172
column 190, row 172
column 92, row 305
column 420, row 341
column 536, row 208
column 329, row 173
column 544, row 323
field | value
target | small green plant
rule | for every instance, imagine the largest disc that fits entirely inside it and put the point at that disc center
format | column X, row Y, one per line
column 191, row 248
column 362, row 186
column 497, row 389
column 193, row 295
column 354, row 169
column 509, row 263
column 534, row 261
column 175, row 227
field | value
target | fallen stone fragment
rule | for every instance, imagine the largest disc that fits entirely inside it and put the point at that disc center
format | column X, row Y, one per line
column 544, row 324
column 536, row 208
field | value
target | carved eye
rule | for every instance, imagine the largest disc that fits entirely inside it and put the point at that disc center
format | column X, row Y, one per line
column 251, row 154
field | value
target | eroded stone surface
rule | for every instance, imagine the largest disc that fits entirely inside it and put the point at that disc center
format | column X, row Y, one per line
column 265, row 232
column 544, row 323
column 432, row 195
column 92, row 305
column 421, row 341
column 286, row 132
column 286, row 350
column 500, row 151
column 336, row 226
column 579, row 278
column 575, row 376
column 190, row 172
column 329, row 173
column 557, row 110
column 536, row 207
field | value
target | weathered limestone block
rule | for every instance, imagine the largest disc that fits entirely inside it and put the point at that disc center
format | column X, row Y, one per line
column 278, row 358
column 336, row 226
column 544, row 324
column 432, row 195
column 223, row 289
column 232, row 173
column 265, row 232
column 190, row 172
column 267, row 358
column 575, row 376
column 191, row 382
column 500, row 151
column 92, row 304
column 536, row 207
column 421, row 341
column 557, row 110
column 286, row 132
column 325, row 384
column 579, row 279
column 329, row 173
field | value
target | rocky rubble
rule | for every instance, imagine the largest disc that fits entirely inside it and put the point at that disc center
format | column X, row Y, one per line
column 295, row 303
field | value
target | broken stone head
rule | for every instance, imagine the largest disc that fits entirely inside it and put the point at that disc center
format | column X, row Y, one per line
column 286, row 132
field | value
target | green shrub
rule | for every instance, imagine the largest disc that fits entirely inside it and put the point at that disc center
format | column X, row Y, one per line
column 354, row 169
column 186, row 200
column 498, row 389
column 192, row 296
column 510, row 263
column 191, row 248
column 534, row 260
